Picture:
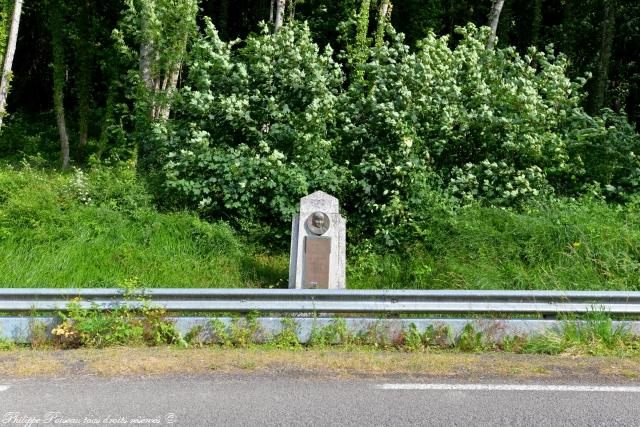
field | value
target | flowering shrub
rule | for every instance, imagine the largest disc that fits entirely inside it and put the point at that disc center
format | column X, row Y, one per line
column 258, row 126
column 252, row 133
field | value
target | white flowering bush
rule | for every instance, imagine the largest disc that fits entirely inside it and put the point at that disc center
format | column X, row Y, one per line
column 252, row 129
column 498, row 183
column 492, row 123
column 260, row 123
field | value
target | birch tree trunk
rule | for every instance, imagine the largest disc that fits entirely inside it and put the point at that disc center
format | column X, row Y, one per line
column 384, row 14
column 271, row 2
column 494, row 18
column 8, row 57
column 146, row 45
column 162, row 50
column 279, row 20
column 292, row 10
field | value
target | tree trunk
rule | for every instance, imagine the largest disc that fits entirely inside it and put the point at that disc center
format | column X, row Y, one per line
column 292, row 10
column 62, row 127
column 601, row 75
column 146, row 47
column 280, row 7
column 536, row 22
column 384, row 14
column 224, row 20
column 85, row 63
column 160, row 69
column 494, row 18
column 169, row 88
column 8, row 57
column 57, row 44
column 271, row 2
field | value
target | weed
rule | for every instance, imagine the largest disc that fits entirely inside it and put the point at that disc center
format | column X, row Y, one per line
column 5, row 344
column 192, row 338
column 376, row 336
column 336, row 332
column 287, row 338
column 440, row 336
column 219, row 334
column 65, row 335
column 93, row 327
column 157, row 330
column 470, row 340
column 247, row 364
column 595, row 335
column 512, row 344
column 413, row 339
column 38, row 334
column 245, row 331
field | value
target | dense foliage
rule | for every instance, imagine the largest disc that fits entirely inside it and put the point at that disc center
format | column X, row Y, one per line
column 259, row 126
column 251, row 130
column 438, row 143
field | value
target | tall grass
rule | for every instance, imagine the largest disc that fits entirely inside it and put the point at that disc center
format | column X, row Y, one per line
column 566, row 244
column 596, row 335
column 100, row 228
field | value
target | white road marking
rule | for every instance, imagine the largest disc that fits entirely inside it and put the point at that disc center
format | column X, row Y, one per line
column 4, row 388
column 509, row 387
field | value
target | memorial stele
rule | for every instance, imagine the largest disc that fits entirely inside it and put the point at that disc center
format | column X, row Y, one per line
column 318, row 244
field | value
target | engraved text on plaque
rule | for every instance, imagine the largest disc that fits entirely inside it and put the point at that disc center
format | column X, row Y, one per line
column 317, row 262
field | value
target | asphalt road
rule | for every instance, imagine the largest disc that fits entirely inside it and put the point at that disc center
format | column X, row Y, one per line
column 245, row 400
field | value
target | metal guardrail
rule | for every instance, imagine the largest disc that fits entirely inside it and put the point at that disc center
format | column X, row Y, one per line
column 326, row 301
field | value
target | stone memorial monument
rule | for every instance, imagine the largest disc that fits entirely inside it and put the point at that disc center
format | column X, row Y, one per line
column 318, row 240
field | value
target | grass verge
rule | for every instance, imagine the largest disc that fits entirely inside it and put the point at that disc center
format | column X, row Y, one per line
column 99, row 228
column 335, row 362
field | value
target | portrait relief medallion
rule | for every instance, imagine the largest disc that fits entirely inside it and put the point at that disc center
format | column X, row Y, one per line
column 318, row 223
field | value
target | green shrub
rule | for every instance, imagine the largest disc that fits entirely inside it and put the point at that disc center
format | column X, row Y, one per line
column 256, row 127
column 287, row 338
column 606, row 152
column 251, row 132
column 29, row 137
column 92, row 327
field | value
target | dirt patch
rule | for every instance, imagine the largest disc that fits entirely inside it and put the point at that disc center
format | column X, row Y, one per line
column 318, row 363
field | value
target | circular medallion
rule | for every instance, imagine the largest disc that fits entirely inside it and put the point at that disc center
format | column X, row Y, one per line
column 318, row 223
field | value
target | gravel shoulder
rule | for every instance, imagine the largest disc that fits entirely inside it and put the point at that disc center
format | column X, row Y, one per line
column 317, row 363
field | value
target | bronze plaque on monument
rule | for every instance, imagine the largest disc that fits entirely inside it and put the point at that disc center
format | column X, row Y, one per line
column 316, row 262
